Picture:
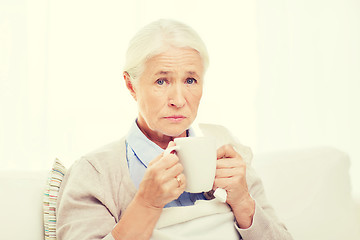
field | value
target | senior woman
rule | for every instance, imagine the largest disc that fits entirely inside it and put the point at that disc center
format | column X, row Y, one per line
column 124, row 189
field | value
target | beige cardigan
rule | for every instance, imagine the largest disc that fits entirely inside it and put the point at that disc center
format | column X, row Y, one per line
column 97, row 189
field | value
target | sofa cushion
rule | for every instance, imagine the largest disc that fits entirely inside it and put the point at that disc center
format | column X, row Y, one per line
column 50, row 198
column 311, row 192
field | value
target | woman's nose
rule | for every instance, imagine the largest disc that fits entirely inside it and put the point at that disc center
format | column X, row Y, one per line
column 176, row 96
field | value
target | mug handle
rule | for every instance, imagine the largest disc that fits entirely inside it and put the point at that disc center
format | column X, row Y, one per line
column 170, row 149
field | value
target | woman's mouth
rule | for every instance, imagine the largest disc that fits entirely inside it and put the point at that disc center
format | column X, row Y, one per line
column 175, row 118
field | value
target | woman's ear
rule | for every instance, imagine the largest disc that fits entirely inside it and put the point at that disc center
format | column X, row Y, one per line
column 129, row 85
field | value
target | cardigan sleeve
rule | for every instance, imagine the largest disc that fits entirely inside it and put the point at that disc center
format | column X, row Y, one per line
column 266, row 225
column 82, row 211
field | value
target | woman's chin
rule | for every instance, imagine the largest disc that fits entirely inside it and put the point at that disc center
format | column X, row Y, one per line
column 175, row 134
column 175, row 131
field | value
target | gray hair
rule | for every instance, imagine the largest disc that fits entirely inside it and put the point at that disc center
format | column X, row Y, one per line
column 154, row 38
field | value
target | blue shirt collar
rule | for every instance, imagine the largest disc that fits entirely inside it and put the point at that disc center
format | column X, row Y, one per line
column 144, row 148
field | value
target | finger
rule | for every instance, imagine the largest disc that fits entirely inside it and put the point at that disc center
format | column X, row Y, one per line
column 226, row 151
column 227, row 172
column 170, row 161
column 164, row 162
column 181, row 184
column 170, row 148
column 229, row 163
column 174, row 171
column 223, row 183
column 173, row 187
column 180, row 180
column 170, row 144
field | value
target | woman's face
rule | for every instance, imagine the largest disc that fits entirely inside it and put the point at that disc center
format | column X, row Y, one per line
column 168, row 92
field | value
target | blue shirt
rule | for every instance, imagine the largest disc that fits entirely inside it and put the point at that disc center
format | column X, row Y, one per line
column 139, row 152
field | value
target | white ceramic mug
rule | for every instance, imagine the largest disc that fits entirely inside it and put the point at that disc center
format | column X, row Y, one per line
column 198, row 157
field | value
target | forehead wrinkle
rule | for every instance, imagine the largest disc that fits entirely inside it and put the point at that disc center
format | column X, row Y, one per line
column 182, row 62
column 169, row 66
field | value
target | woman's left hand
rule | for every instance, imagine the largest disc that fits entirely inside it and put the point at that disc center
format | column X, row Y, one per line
column 231, row 176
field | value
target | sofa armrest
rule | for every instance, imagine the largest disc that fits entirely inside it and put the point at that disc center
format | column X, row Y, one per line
column 310, row 190
column 21, row 204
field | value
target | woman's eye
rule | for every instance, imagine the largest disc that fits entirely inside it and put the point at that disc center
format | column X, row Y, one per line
column 160, row 81
column 190, row 80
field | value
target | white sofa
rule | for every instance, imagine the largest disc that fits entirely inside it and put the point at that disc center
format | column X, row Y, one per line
column 311, row 192
column 310, row 189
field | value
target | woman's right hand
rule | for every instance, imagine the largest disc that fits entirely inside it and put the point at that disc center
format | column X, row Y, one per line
column 158, row 187
column 160, row 183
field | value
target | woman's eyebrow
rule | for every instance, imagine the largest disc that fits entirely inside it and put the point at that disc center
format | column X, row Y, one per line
column 163, row 73
column 193, row 73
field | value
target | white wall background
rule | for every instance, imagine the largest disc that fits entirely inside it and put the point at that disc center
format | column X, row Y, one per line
column 283, row 74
